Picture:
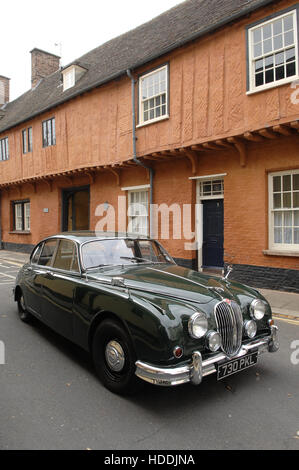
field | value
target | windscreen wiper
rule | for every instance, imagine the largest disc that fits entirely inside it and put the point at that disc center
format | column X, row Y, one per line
column 136, row 258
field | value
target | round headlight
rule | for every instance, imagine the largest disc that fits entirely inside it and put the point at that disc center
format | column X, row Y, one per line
column 213, row 341
column 198, row 325
column 250, row 328
column 257, row 309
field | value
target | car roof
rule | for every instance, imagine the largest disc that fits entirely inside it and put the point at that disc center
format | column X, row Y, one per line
column 83, row 236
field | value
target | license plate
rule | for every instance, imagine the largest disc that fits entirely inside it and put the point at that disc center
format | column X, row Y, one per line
column 236, row 365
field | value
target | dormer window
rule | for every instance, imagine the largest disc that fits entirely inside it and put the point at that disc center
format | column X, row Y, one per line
column 71, row 75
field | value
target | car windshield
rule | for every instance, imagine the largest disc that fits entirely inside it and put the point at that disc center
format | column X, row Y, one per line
column 99, row 253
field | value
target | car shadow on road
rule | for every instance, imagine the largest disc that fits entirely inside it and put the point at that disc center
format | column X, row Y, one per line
column 158, row 399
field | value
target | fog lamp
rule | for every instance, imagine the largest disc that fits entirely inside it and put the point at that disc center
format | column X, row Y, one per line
column 213, row 341
column 250, row 328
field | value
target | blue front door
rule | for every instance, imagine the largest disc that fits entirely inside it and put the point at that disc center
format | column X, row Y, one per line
column 213, row 225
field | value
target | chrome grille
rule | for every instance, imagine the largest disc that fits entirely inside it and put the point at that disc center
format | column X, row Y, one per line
column 229, row 323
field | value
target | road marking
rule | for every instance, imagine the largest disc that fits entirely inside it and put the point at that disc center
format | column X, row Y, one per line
column 12, row 262
column 287, row 320
column 7, row 275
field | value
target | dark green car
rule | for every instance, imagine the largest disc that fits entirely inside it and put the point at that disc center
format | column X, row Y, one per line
column 140, row 315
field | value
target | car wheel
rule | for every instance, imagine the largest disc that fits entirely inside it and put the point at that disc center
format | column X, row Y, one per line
column 114, row 358
column 24, row 315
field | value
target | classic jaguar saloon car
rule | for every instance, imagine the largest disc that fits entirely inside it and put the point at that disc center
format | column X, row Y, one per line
column 142, row 316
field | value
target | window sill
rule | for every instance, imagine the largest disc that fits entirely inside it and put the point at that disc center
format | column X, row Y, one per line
column 153, row 121
column 19, row 232
column 294, row 254
column 273, row 85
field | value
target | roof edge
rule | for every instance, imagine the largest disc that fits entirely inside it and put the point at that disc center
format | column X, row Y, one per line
column 225, row 21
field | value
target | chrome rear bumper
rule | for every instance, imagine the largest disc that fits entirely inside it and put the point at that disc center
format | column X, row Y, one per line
column 199, row 368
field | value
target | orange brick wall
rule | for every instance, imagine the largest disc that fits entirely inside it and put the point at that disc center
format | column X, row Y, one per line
column 245, row 199
column 207, row 100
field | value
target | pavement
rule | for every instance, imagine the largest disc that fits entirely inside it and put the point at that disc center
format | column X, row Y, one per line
column 285, row 304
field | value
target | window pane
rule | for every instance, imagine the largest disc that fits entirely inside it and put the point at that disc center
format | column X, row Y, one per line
column 291, row 69
column 288, row 219
column 269, row 76
column 267, row 31
column 276, row 184
column 64, row 256
column 27, row 216
column 296, row 182
column 278, row 42
column 257, row 35
column 267, row 46
column 288, row 23
column 279, row 73
column 30, row 146
column 47, row 253
column 24, row 137
column 36, row 254
column 277, row 201
column 296, row 200
column 287, row 200
column 277, row 27
column 287, row 183
column 289, row 38
column 277, row 235
column 259, row 79
column 278, row 219
column 296, row 236
column 288, row 235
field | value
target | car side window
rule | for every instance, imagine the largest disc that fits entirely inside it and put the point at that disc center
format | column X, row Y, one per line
column 66, row 256
column 36, row 253
column 47, row 253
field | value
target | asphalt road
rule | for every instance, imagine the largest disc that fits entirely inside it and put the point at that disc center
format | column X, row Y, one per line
column 51, row 398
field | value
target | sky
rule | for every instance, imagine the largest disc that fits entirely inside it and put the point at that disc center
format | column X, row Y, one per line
column 68, row 28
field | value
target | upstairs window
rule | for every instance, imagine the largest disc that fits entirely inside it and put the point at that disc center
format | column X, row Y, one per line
column 27, row 140
column 68, row 79
column 153, row 96
column 71, row 75
column 4, row 151
column 273, row 51
column 49, row 133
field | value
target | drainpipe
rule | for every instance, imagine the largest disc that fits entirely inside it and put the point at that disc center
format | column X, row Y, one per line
column 135, row 158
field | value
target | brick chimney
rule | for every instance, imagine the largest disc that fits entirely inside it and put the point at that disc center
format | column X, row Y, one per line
column 42, row 64
column 4, row 90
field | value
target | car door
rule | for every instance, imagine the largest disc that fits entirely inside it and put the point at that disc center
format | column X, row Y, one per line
column 58, row 288
column 34, row 273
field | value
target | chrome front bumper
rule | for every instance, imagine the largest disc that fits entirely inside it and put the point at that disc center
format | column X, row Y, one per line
column 199, row 368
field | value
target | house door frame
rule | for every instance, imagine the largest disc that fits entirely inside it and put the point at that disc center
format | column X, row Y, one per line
column 200, row 198
column 64, row 194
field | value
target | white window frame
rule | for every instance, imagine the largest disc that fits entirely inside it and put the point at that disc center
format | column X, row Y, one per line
column 68, row 78
column 4, row 149
column 279, row 247
column 21, row 216
column 142, row 122
column 251, row 59
column 131, row 216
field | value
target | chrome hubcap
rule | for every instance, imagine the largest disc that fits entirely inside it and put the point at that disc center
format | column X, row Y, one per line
column 115, row 356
